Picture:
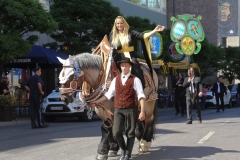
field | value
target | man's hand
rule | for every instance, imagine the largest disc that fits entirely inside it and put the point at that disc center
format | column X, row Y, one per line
column 94, row 103
column 189, row 79
column 101, row 99
column 141, row 116
column 200, row 94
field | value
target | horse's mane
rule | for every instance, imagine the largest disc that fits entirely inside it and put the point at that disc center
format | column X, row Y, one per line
column 88, row 60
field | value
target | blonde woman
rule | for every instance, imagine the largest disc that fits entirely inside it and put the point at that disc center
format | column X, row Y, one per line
column 122, row 39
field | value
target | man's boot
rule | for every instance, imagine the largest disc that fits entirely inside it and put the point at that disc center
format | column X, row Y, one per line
column 122, row 145
column 130, row 144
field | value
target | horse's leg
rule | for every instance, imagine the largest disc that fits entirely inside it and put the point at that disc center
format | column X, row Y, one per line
column 108, row 147
column 103, row 147
column 145, row 131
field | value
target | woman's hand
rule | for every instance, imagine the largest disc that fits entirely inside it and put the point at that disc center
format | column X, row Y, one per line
column 159, row 28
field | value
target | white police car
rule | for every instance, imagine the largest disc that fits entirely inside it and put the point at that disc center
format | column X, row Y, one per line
column 52, row 107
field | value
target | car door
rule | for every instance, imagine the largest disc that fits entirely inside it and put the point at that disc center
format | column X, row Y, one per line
column 227, row 97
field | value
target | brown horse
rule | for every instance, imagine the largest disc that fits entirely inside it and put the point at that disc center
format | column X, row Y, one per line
column 91, row 77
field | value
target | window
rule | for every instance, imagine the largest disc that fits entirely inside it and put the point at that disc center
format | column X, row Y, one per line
column 224, row 41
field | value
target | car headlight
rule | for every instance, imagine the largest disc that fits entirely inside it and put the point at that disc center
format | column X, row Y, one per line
column 45, row 100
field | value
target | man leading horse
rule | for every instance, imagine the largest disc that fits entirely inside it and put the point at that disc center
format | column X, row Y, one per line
column 125, row 87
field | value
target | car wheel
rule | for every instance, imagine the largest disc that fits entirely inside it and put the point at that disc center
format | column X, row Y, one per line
column 87, row 115
column 230, row 103
column 49, row 119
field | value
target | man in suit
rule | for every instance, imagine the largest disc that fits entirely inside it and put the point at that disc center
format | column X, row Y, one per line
column 193, row 87
column 218, row 91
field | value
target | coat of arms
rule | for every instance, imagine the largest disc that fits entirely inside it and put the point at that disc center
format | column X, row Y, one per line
column 187, row 33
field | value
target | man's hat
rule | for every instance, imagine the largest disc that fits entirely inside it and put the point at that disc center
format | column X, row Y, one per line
column 125, row 60
column 36, row 69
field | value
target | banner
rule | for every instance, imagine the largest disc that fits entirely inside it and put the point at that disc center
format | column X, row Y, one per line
column 154, row 62
column 187, row 33
column 173, row 53
column 155, row 42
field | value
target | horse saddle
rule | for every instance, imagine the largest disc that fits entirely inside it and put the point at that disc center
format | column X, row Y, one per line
column 149, row 82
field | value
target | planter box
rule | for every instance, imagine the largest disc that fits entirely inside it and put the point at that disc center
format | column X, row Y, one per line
column 8, row 113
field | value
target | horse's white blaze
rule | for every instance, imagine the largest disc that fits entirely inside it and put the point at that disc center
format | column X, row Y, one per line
column 66, row 72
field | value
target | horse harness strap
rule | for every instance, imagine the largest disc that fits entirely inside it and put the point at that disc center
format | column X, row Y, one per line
column 129, row 49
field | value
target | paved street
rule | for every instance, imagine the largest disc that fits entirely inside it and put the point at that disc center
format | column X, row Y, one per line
column 217, row 138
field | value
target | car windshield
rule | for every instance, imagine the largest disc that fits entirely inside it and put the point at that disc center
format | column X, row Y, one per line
column 57, row 90
column 234, row 88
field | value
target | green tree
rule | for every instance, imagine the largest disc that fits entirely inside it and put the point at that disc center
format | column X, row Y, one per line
column 82, row 24
column 17, row 18
column 230, row 66
column 208, row 58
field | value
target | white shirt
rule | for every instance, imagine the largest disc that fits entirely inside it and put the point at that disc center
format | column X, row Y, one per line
column 191, row 86
column 218, row 87
column 137, row 86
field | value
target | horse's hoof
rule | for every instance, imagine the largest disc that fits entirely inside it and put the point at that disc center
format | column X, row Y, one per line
column 142, row 149
column 101, row 157
column 112, row 153
column 144, row 146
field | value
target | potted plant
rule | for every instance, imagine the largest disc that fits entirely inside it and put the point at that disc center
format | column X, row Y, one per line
column 7, row 107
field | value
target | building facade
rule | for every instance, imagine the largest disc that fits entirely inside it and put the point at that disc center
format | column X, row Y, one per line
column 220, row 18
column 154, row 10
column 45, row 4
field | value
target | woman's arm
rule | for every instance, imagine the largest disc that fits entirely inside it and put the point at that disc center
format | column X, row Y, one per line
column 157, row 29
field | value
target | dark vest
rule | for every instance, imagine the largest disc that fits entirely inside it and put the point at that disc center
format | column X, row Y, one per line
column 125, row 94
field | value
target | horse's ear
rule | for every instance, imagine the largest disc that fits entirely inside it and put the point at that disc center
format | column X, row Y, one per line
column 61, row 60
column 71, row 59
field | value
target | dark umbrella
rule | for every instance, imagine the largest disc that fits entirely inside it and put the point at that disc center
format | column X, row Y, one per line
column 38, row 55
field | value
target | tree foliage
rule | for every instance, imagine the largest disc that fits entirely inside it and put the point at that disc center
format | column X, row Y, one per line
column 208, row 58
column 230, row 66
column 82, row 24
column 17, row 18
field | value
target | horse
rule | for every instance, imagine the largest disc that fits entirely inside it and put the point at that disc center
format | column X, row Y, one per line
column 91, row 75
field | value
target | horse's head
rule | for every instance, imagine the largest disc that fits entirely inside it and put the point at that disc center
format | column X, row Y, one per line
column 70, row 78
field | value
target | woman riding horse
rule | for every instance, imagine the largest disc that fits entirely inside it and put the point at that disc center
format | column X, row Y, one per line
column 121, row 38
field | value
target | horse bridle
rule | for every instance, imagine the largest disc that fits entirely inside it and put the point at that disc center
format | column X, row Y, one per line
column 73, row 84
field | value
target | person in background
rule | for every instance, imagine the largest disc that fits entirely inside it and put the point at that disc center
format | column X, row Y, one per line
column 159, row 100
column 165, row 94
column 193, row 87
column 204, row 96
column 218, row 91
column 34, row 87
column 4, row 90
column 179, row 95
column 238, row 95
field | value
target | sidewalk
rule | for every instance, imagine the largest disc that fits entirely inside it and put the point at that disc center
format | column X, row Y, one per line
column 19, row 120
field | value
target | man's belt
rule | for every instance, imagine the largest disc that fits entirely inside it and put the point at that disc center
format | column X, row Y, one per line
column 129, row 49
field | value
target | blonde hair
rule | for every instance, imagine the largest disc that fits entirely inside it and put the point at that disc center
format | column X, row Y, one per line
column 115, row 33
